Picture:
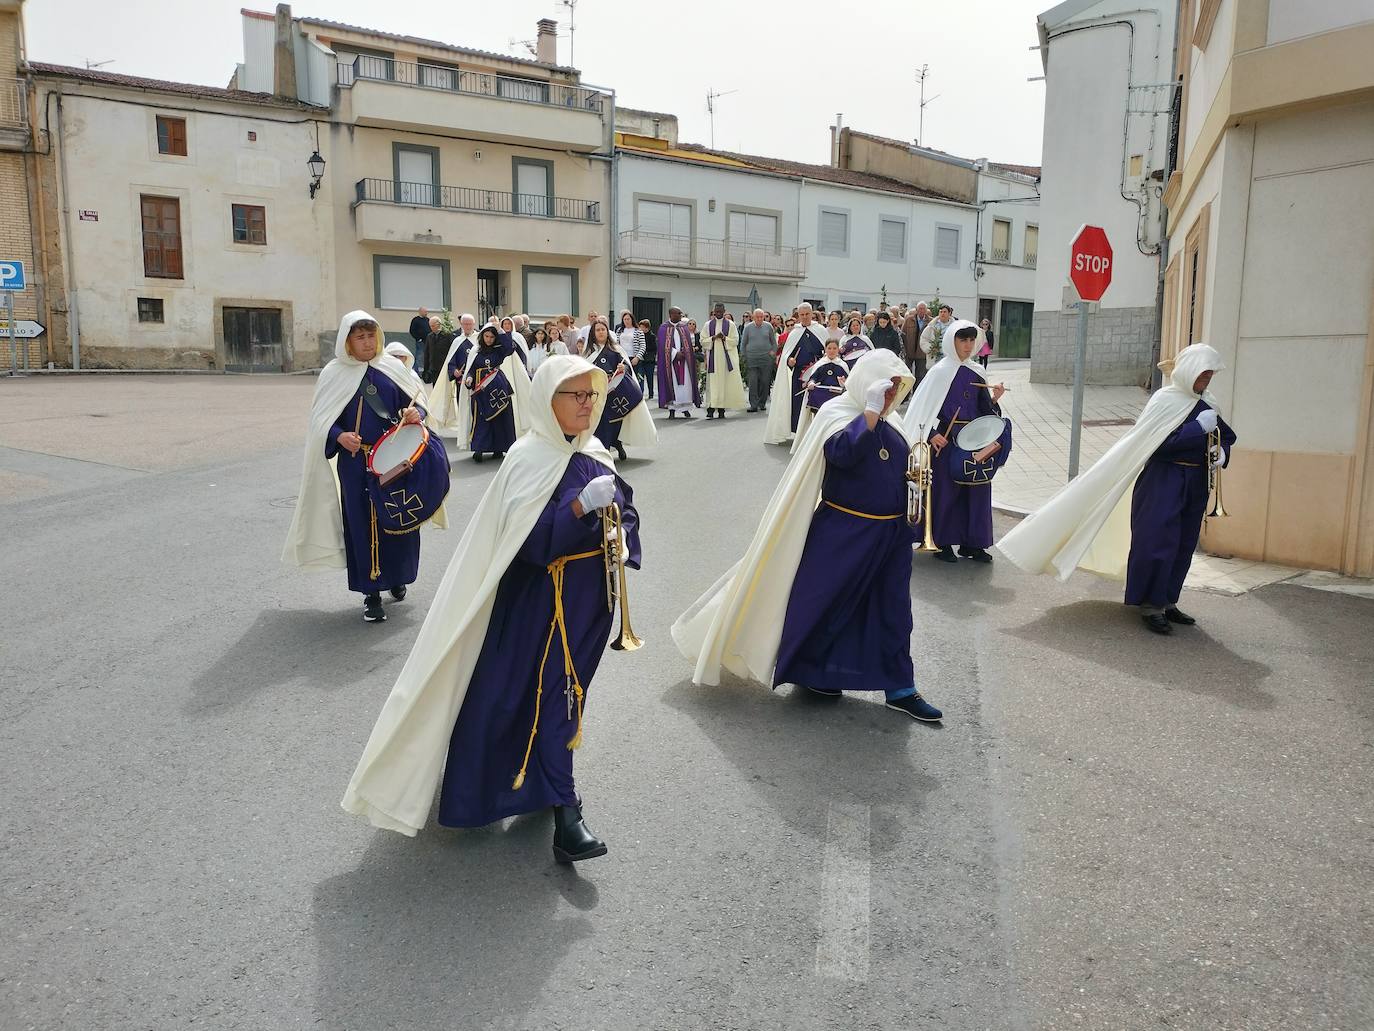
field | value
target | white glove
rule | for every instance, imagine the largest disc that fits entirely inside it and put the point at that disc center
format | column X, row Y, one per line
column 598, row 493
column 875, row 397
column 1218, row 456
column 1207, row 419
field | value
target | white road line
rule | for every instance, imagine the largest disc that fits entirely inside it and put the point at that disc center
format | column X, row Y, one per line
column 842, row 951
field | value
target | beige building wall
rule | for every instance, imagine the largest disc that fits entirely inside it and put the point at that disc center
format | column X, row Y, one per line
column 16, row 224
column 863, row 153
column 1271, row 219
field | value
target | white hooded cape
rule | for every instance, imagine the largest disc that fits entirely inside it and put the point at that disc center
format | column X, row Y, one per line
column 778, row 429
column 637, row 429
column 737, row 624
column 400, row 768
column 1087, row 523
column 315, row 540
column 446, row 395
column 930, row 395
column 418, row 388
column 804, row 420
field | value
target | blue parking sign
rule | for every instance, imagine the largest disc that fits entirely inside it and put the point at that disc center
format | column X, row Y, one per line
column 12, row 275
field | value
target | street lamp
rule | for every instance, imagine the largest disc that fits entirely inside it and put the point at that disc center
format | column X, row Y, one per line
column 316, row 165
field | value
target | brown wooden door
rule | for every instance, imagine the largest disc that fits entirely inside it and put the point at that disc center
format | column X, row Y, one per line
column 252, row 340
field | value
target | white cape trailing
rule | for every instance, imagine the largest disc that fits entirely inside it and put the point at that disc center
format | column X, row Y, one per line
column 637, row 429
column 737, row 624
column 403, row 761
column 446, row 394
column 1087, row 524
column 778, row 429
column 315, row 540
column 930, row 395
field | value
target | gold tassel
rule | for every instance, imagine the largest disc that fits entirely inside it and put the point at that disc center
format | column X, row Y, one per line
column 519, row 780
column 376, row 570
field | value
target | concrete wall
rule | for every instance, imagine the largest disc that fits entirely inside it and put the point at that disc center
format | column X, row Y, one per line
column 111, row 156
column 1292, row 19
column 862, row 153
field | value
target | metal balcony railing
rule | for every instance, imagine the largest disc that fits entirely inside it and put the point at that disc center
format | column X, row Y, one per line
column 999, row 254
column 14, row 111
column 696, row 252
column 1030, row 259
column 458, row 80
column 469, row 198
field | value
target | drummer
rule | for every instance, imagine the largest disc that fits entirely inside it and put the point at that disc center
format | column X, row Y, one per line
column 357, row 398
column 855, row 342
column 953, row 394
column 626, row 418
column 495, row 382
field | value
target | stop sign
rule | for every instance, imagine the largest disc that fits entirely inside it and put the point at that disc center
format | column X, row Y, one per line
column 1090, row 263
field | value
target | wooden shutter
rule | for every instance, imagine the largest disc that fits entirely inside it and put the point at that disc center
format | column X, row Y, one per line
column 161, row 237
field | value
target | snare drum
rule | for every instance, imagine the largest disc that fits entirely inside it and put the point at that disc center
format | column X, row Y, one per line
column 410, row 478
column 622, row 395
column 396, row 451
column 971, row 439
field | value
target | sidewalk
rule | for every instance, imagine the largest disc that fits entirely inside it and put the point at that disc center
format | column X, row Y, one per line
column 1039, row 466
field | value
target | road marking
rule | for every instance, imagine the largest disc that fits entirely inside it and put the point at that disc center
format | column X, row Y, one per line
column 842, row 951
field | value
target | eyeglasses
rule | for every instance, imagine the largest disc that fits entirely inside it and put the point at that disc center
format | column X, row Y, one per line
column 580, row 396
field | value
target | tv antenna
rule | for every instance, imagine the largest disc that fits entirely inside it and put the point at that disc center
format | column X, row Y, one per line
column 528, row 44
column 921, row 77
column 96, row 64
column 711, row 96
column 571, row 5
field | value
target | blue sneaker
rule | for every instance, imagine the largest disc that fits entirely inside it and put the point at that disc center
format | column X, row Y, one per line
column 917, row 708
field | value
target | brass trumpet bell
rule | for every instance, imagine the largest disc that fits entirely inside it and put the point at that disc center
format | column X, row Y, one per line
column 1218, row 509
column 613, row 544
column 921, row 477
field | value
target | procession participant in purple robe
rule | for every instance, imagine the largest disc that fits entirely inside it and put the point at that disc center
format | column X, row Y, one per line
column 855, row 343
column 359, row 395
column 953, row 394
column 803, row 348
column 492, row 366
column 625, row 419
column 798, row 610
column 1136, row 513
column 678, row 390
column 724, row 383
column 447, row 405
column 492, row 699
column 823, row 382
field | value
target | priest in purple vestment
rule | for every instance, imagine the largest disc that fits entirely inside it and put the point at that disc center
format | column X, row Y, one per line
column 678, row 389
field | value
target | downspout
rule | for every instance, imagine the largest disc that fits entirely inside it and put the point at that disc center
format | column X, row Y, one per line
column 69, row 259
column 1176, row 132
column 611, row 221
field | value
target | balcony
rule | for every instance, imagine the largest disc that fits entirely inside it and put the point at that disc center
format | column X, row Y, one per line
column 453, row 100
column 1030, row 259
column 700, row 256
column 14, row 115
column 386, row 211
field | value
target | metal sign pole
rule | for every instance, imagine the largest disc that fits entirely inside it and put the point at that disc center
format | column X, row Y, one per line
column 1076, row 428
column 9, row 328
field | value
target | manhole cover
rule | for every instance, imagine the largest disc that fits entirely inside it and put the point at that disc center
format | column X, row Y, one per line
column 1108, row 422
column 284, row 502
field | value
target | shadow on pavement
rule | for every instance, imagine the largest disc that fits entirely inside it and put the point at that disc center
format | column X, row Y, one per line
column 450, row 928
column 962, row 590
column 283, row 645
column 1110, row 635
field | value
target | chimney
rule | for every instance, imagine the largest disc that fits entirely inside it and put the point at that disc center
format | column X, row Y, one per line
column 835, row 140
column 546, row 49
column 284, row 57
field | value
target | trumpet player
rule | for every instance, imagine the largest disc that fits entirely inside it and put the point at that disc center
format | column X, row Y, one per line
column 491, row 702
column 797, row 609
column 1137, row 513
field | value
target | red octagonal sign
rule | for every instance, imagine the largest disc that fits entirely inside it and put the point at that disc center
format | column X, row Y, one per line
column 1090, row 263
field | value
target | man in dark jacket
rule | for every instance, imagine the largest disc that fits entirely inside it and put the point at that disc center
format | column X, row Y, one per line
column 886, row 335
column 435, row 350
column 419, row 329
column 912, row 328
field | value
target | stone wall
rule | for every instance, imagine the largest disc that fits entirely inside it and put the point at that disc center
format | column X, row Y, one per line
column 1121, row 345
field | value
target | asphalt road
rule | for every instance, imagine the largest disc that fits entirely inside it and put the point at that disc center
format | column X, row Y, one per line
column 1111, row 830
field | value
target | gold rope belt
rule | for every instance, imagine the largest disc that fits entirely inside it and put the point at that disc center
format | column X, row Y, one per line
column 556, row 625
column 862, row 515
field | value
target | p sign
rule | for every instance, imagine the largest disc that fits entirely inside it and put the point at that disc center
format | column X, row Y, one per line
column 12, row 275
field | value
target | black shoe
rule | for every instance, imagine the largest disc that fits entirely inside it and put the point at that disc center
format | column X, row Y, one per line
column 977, row 554
column 1157, row 623
column 946, row 554
column 573, row 841
column 399, row 593
column 753, row 409
column 686, row 415
column 823, row 692
column 672, row 414
column 477, row 457
column 498, row 454
column 1174, row 615
column 620, row 451
column 710, row 413
column 372, row 609
column 917, row 708
column 721, row 412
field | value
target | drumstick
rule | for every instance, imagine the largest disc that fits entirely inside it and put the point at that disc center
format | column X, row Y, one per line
column 1005, row 389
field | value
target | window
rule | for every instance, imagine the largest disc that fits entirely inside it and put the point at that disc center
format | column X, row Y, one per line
column 250, row 223
column 171, row 136
column 1032, row 245
column 161, row 237
column 1001, row 240
column 522, row 89
column 752, row 227
column 417, row 174
column 408, row 283
column 891, row 239
column 947, row 246
column 533, row 187
column 1195, row 277
column 150, row 309
column 663, row 218
column 834, row 233
column 550, row 292
column 859, row 304
column 438, row 76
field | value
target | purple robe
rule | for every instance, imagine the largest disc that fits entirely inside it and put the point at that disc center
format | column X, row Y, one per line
column 824, row 385
column 492, row 731
column 1167, row 504
column 492, row 417
column 398, row 554
column 683, row 369
column 848, row 622
column 961, row 514
column 809, row 350
column 621, row 401
column 853, row 349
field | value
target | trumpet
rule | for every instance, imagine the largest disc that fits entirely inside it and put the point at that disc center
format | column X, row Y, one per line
column 1214, row 476
column 920, row 477
column 612, row 545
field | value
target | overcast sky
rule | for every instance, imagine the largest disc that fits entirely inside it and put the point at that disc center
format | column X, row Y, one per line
column 793, row 65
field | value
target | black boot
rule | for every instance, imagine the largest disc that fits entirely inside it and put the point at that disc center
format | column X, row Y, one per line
column 620, row 451
column 477, row 456
column 572, row 840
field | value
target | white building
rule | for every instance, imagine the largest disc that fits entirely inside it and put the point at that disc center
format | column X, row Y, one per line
column 1008, row 235
column 1108, row 90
